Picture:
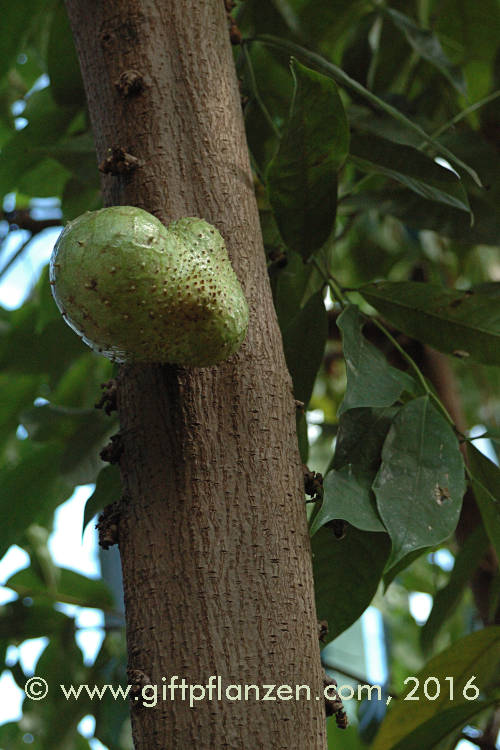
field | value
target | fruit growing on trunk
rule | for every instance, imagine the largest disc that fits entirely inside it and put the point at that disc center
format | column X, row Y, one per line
column 137, row 291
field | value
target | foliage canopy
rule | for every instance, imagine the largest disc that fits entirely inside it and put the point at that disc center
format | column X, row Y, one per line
column 373, row 137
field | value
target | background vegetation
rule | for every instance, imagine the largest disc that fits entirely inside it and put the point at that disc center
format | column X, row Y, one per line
column 373, row 132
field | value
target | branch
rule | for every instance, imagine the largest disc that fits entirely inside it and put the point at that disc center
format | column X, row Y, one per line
column 22, row 219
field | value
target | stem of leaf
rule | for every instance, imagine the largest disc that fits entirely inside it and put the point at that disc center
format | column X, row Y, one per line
column 15, row 257
column 356, row 187
column 332, row 283
column 428, row 390
column 467, row 111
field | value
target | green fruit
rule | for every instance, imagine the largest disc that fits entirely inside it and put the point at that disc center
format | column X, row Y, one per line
column 137, row 291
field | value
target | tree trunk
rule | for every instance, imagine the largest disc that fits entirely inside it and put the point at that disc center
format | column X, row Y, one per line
column 213, row 536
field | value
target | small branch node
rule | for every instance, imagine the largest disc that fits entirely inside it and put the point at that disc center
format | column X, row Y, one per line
column 333, row 702
column 137, row 679
column 130, row 83
column 119, row 162
column 313, row 484
column 108, row 400
column 322, row 629
column 108, row 525
column 112, row 452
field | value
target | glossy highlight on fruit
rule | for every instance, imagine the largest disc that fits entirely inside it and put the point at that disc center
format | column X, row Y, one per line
column 137, row 291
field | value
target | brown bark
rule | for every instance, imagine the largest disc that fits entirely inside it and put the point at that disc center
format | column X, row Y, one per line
column 213, row 539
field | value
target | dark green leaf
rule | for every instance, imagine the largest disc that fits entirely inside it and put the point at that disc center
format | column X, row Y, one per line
column 428, row 46
column 302, row 177
column 411, row 168
column 486, row 486
column 348, row 495
column 475, row 655
column 62, row 62
column 292, row 283
column 304, row 342
column 451, row 321
column 448, row 597
column 471, row 28
column 371, row 381
column 108, row 490
column 358, row 559
column 361, row 436
column 420, row 484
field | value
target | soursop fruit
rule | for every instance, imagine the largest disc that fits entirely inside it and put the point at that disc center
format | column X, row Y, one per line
column 137, row 291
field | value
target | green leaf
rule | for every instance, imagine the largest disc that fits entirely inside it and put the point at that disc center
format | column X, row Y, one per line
column 428, row 46
column 447, row 598
column 411, row 168
column 371, row 381
column 451, row 321
column 477, row 655
column 420, row 484
column 33, row 481
column 486, row 485
column 83, row 432
column 45, row 180
column 110, row 715
column 60, row 659
column 348, row 495
column 302, row 177
column 26, row 351
column 62, row 62
column 47, row 122
column 76, row 154
column 333, row 71
column 108, row 490
column 16, row 393
column 347, row 572
column 418, row 213
column 72, row 588
column 304, row 342
column 393, row 570
column 78, row 197
column 445, row 724
column 16, row 20
column 21, row 621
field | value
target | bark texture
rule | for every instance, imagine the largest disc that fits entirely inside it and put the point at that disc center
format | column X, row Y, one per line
column 213, row 538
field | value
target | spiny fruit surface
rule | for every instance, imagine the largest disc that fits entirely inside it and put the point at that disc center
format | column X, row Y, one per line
column 137, row 291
